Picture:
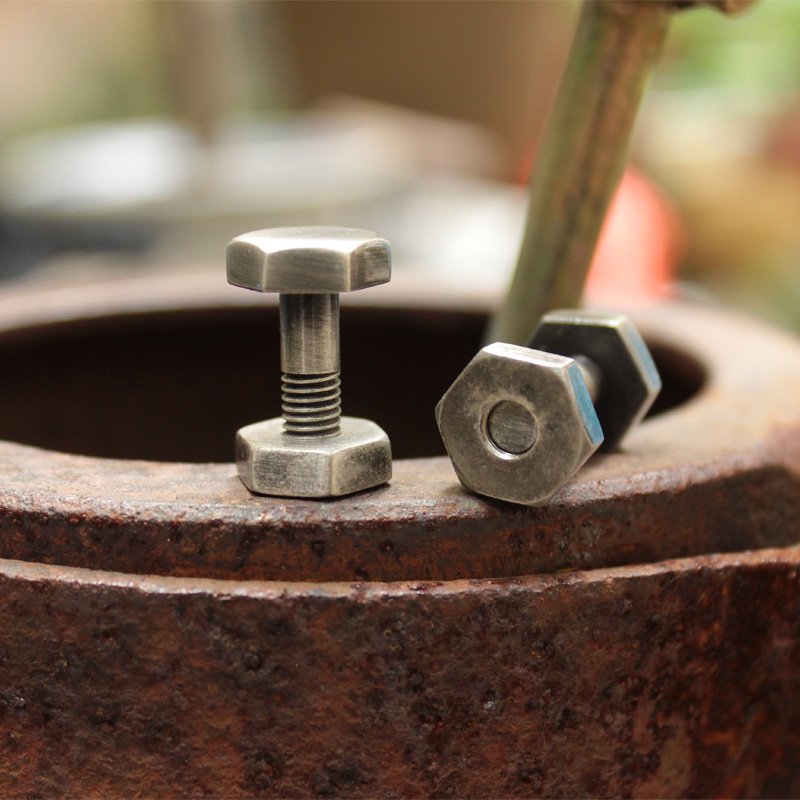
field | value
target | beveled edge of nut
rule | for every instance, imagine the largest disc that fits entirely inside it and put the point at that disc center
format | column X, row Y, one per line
column 308, row 260
column 271, row 462
column 552, row 389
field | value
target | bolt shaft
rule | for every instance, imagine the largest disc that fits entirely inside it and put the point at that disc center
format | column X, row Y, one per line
column 310, row 398
column 309, row 333
column 591, row 376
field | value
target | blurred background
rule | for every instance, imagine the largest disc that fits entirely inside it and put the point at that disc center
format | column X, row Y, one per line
column 143, row 135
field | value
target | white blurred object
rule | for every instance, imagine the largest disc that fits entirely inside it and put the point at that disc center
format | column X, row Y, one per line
column 349, row 163
column 149, row 165
column 102, row 168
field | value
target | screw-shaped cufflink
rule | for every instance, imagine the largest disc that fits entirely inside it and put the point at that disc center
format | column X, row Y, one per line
column 518, row 422
column 312, row 451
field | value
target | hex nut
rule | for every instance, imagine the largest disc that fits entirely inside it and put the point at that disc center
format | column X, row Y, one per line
column 514, row 460
column 629, row 378
column 272, row 462
column 308, row 260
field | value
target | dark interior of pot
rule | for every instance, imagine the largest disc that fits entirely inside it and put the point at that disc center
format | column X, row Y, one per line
column 176, row 385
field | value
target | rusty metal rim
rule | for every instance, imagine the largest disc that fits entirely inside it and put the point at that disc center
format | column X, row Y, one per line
column 738, row 424
column 376, row 591
column 741, row 428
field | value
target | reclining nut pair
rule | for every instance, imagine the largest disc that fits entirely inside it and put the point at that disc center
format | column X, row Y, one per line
column 518, row 422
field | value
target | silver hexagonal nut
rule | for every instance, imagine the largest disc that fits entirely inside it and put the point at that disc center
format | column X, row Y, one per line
column 518, row 423
column 628, row 378
column 272, row 462
column 308, row 260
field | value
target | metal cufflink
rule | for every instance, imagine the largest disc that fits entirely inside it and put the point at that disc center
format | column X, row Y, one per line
column 518, row 422
column 312, row 451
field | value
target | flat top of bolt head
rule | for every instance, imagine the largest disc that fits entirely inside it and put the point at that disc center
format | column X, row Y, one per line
column 308, row 260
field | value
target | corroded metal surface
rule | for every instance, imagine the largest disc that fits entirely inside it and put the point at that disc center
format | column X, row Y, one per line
column 220, row 658
column 676, row 679
column 718, row 473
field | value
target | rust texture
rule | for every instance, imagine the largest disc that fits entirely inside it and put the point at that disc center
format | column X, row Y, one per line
column 718, row 473
column 412, row 641
column 680, row 679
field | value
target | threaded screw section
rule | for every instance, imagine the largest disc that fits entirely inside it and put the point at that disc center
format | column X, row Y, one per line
column 311, row 404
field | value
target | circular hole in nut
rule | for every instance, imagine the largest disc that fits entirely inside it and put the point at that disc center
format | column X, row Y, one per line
column 511, row 428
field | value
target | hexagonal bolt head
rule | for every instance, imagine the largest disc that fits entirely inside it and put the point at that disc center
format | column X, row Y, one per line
column 628, row 379
column 308, row 260
column 272, row 462
column 518, row 423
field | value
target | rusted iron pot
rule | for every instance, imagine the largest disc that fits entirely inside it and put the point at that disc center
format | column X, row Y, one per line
column 164, row 633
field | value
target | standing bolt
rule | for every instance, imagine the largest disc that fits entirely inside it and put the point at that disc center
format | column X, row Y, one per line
column 518, row 422
column 312, row 451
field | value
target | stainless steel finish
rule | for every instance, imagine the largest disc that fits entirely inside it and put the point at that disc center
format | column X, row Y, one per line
column 615, row 360
column 270, row 461
column 313, row 451
column 518, row 423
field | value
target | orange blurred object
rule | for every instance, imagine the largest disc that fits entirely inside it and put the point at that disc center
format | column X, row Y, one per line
column 639, row 247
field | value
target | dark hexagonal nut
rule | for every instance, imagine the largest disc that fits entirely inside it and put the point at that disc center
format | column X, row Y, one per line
column 270, row 461
column 517, row 423
column 628, row 378
column 308, row 260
